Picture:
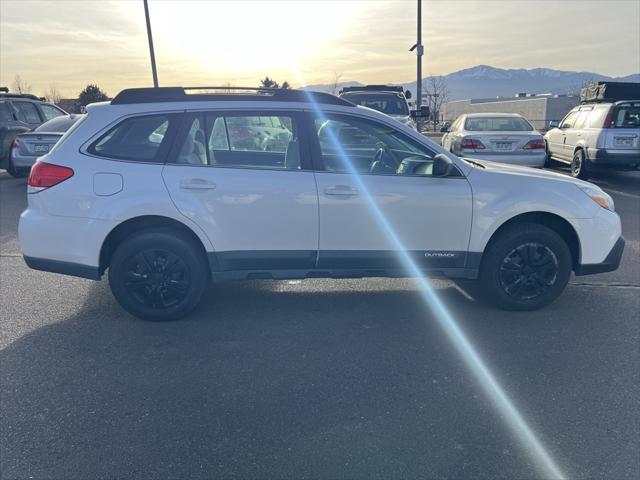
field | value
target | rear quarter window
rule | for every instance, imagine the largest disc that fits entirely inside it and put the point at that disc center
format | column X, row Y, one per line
column 5, row 113
column 141, row 139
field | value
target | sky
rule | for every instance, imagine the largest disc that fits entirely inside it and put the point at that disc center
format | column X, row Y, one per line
column 72, row 43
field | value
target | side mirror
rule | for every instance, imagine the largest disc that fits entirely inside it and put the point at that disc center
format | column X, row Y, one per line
column 554, row 124
column 442, row 166
column 407, row 94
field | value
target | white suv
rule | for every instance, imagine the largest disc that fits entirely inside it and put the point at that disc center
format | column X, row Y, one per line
column 169, row 190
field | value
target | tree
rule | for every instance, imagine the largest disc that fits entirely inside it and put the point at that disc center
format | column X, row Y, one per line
column 91, row 94
column 435, row 89
column 267, row 82
column 53, row 95
column 20, row 86
column 335, row 83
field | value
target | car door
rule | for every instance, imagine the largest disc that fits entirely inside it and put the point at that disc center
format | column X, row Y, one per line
column 448, row 136
column 245, row 179
column 557, row 145
column 371, row 176
column 575, row 133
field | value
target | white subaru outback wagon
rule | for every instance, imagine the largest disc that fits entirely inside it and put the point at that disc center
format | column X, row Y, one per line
column 169, row 190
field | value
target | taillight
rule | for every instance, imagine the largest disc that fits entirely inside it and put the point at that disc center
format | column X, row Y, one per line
column 44, row 175
column 471, row 143
column 534, row 144
column 608, row 120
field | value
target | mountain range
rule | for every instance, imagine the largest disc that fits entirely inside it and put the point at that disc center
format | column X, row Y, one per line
column 484, row 81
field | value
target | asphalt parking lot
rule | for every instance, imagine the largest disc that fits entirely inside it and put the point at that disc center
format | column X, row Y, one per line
column 313, row 378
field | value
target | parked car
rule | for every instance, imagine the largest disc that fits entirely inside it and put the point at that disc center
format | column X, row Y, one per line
column 27, row 147
column 390, row 100
column 593, row 136
column 20, row 113
column 120, row 193
column 496, row 137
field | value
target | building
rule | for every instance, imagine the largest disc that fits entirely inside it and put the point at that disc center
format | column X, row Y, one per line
column 539, row 109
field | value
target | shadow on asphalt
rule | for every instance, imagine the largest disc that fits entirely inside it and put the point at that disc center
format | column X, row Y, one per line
column 258, row 383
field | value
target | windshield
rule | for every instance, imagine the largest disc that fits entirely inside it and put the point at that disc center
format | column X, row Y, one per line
column 626, row 116
column 388, row 102
column 497, row 124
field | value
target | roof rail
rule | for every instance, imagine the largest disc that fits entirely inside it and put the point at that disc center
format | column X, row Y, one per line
column 179, row 94
column 4, row 92
column 373, row 88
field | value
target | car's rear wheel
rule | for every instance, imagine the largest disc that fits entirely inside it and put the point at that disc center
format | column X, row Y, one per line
column 158, row 274
column 17, row 172
column 525, row 268
column 579, row 166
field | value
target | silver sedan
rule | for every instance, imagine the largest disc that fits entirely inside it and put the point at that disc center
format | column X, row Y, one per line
column 496, row 137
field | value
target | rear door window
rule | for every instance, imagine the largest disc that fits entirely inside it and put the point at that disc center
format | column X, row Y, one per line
column 241, row 141
column 598, row 115
column 581, row 120
column 142, row 139
column 49, row 111
column 27, row 112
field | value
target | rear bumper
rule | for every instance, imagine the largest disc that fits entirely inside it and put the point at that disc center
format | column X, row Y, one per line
column 533, row 159
column 65, row 268
column 22, row 161
column 601, row 157
column 610, row 263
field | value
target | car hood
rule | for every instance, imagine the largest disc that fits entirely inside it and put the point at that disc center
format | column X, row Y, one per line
column 532, row 173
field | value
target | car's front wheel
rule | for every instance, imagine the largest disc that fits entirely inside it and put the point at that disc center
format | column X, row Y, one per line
column 158, row 274
column 525, row 268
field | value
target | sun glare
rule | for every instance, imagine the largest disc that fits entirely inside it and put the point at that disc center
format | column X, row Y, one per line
column 234, row 40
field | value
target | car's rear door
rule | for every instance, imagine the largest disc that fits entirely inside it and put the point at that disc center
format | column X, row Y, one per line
column 245, row 179
column 372, row 177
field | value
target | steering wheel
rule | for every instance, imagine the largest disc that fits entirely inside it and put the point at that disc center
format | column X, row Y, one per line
column 380, row 164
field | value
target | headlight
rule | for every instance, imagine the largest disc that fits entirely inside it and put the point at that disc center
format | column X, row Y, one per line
column 599, row 196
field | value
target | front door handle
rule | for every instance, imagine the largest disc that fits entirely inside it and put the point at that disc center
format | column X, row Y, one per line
column 197, row 184
column 344, row 190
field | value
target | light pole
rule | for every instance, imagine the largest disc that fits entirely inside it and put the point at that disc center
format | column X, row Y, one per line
column 151, row 53
column 419, row 52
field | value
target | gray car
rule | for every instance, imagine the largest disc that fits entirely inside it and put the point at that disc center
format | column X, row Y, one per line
column 20, row 113
column 27, row 147
column 495, row 137
column 597, row 136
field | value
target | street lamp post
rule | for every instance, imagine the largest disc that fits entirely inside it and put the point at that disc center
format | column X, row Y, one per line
column 419, row 52
column 151, row 52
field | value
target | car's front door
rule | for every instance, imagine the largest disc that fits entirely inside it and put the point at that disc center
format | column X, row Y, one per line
column 557, row 136
column 245, row 178
column 377, row 196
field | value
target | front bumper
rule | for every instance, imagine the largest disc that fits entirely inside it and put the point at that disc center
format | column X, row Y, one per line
column 622, row 159
column 610, row 263
column 530, row 159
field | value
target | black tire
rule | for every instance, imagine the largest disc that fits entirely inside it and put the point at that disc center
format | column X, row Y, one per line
column 158, row 274
column 548, row 161
column 579, row 167
column 17, row 172
column 525, row 268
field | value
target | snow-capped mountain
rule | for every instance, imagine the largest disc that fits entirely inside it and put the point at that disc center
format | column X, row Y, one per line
column 484, row 81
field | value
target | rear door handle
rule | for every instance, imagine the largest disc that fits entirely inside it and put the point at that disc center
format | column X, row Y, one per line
column 197, row 184
column 344, row 190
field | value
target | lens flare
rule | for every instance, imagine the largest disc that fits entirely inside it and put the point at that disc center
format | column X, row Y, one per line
column 494, row 391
